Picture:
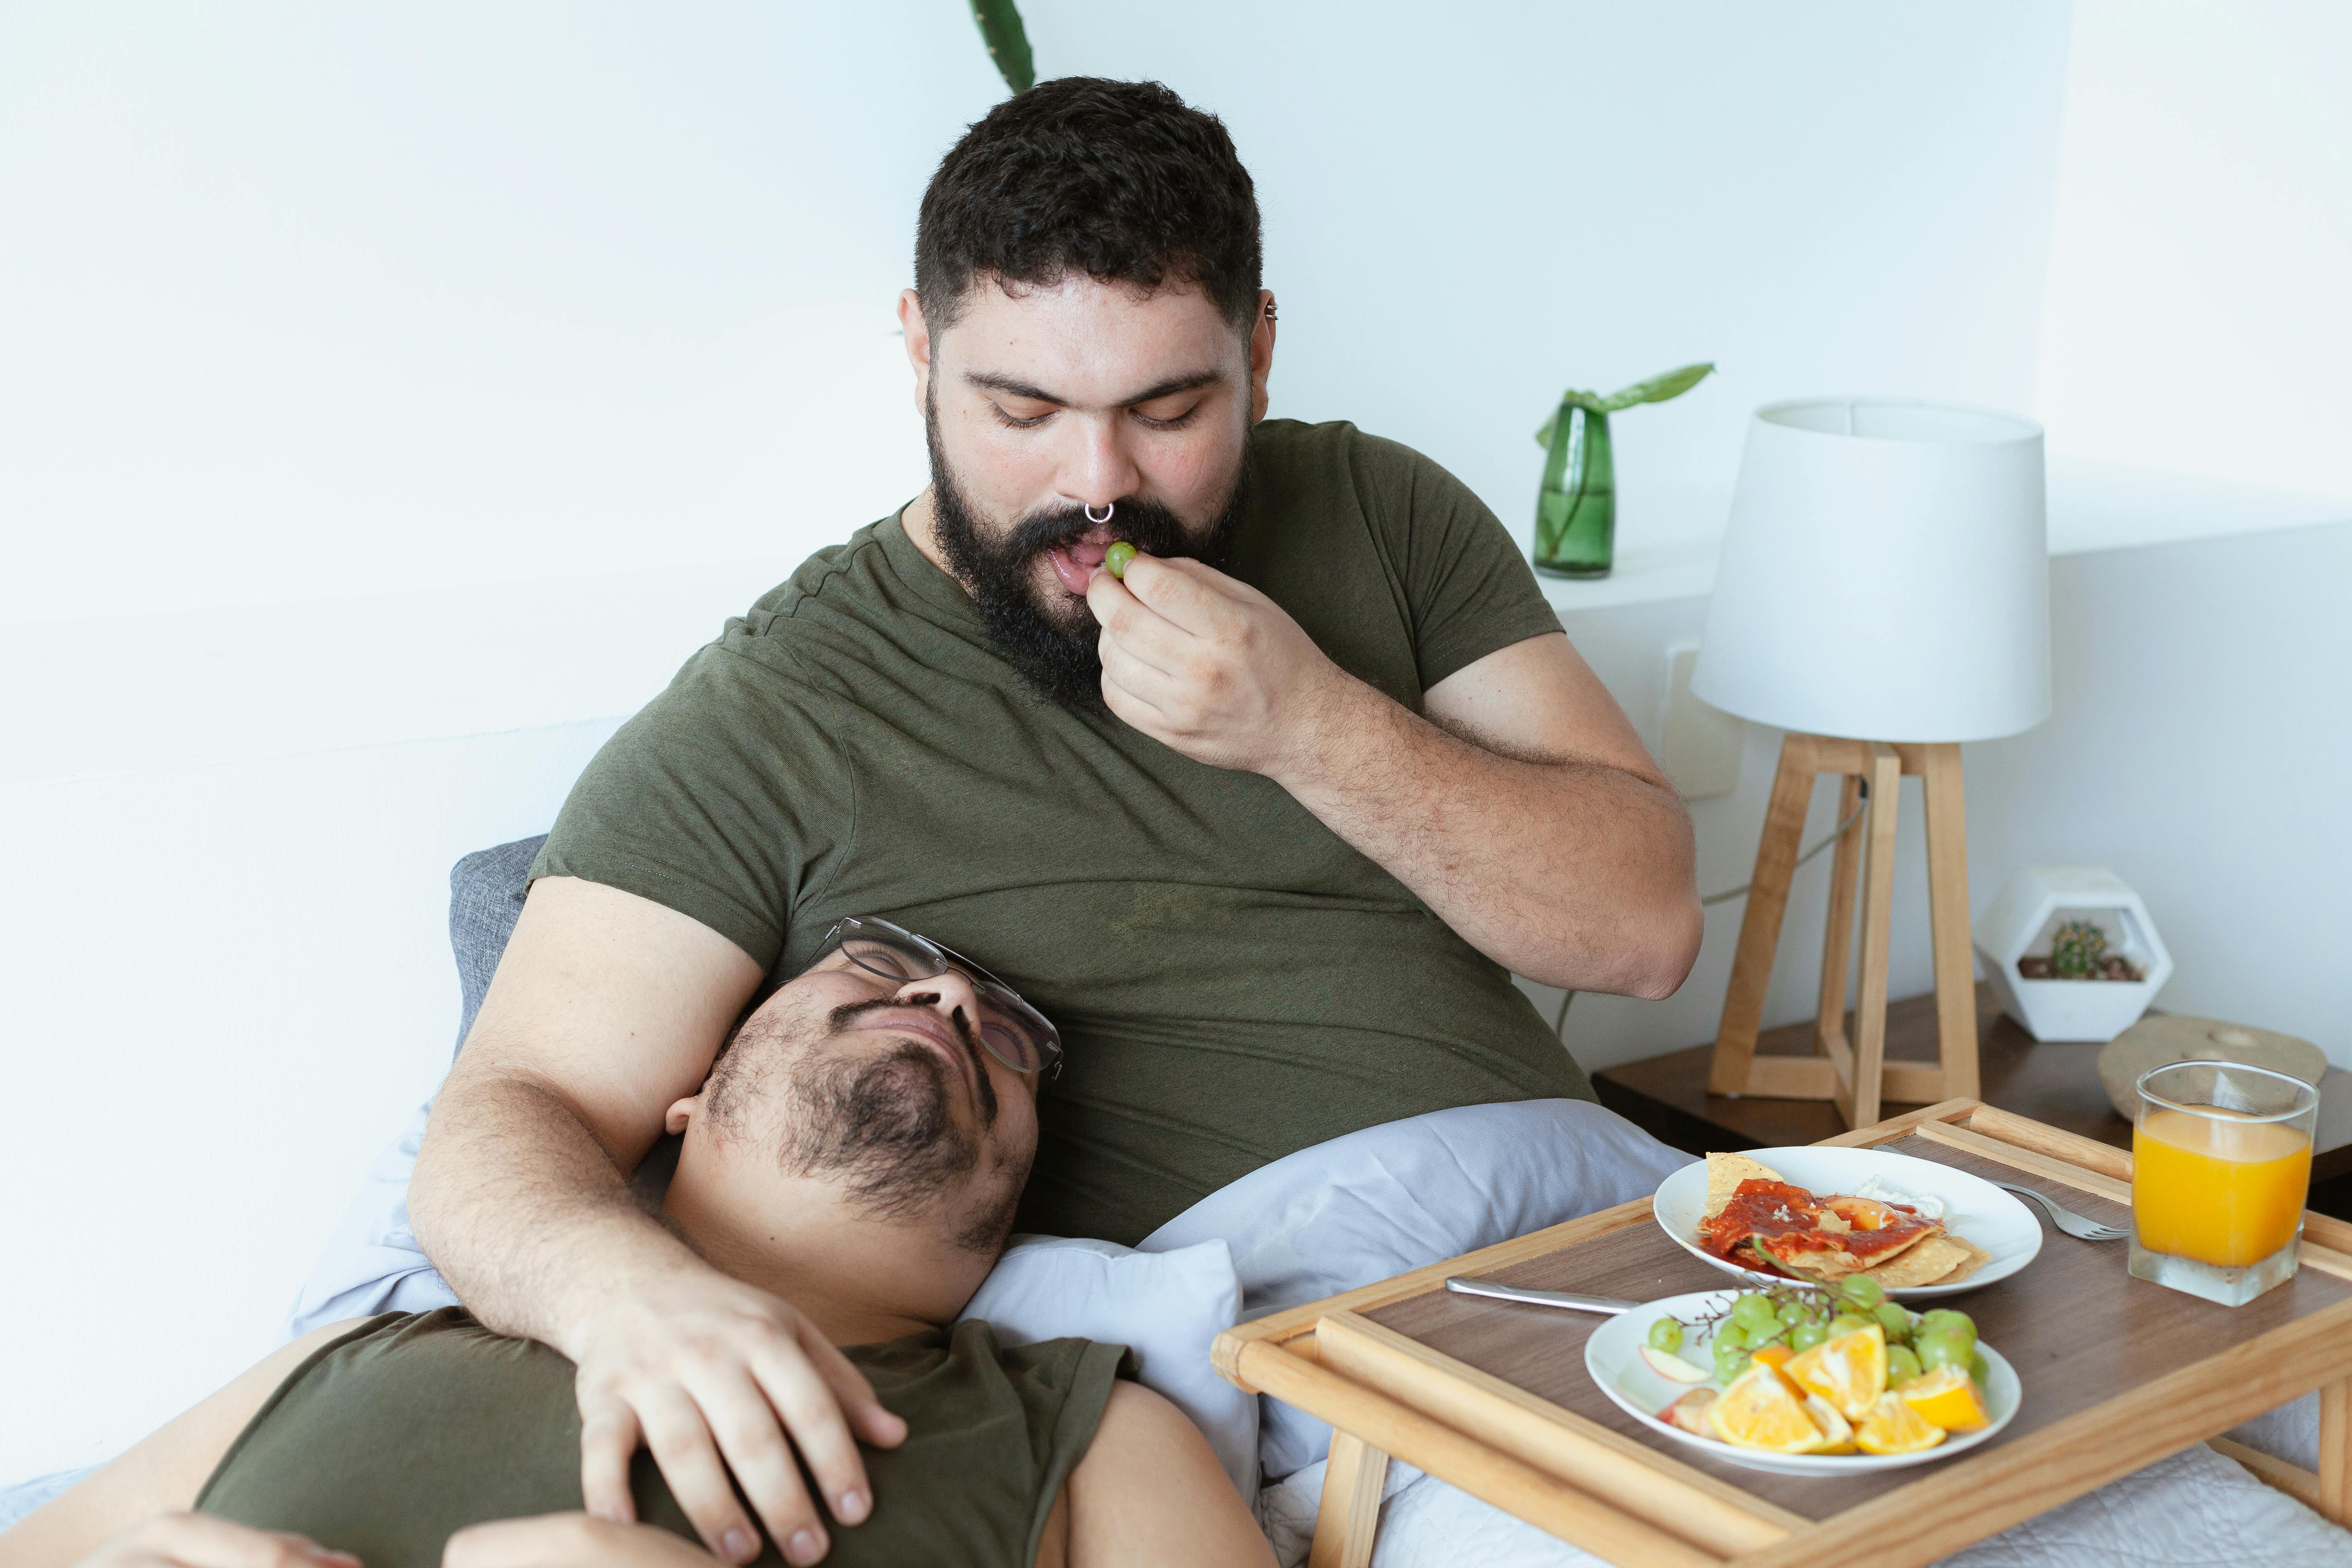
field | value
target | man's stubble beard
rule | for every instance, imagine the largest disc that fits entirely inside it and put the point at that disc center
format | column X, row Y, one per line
column 885, row 1125
column 1060, row 660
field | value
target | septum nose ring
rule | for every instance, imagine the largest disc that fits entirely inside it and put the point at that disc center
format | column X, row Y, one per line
column 1109, row 508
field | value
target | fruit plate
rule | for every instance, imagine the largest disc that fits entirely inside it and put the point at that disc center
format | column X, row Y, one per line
column 1973, row 1208
column 1614, row 1358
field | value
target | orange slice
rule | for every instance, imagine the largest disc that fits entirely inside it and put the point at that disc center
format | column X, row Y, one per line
column 1947, row 1397
column 1894, row 1427
column 1849, row 1371
column 1758, row 1412
column 1777, row 1357
column 1837, row 1437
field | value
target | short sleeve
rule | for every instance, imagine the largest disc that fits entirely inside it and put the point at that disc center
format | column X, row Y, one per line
column 1471, row 590
column 727, row 798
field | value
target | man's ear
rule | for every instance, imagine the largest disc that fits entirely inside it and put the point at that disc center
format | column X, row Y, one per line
column 681, row 1113
column 918, row 345
column 1261, row 354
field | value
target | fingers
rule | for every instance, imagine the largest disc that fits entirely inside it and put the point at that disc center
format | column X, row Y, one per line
column 743, row 1416
column 872, row 1420
column 1144, row 683
column 608, row 1441
column 728, row 1387
column 201, row 1540
column 1135, row 626
column 1192, row 596
column 681, row 1440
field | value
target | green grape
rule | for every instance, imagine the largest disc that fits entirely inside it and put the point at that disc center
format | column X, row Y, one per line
column 1942, row 1347
column 1806, row 1335
column 1792, row 1313
column 1777, row 1337
column 1667, row 1334
column 1862, row 1290
column 1979, row 1368
column 1732, row 1336
column 1944, row 1318
column 1116, row 557
column 1755, row 1313
column 1847, row 1324
column 1730, row 1361
column 1901, row 1365
column 1894, row 1320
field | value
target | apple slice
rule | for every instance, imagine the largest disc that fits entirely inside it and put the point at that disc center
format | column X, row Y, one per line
column 1689, row 1412
column 1673, row 1368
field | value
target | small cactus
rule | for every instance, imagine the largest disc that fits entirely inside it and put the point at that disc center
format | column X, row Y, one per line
column 2075, row 949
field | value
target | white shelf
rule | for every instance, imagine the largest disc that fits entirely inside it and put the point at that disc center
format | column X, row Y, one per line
column 1667, row 543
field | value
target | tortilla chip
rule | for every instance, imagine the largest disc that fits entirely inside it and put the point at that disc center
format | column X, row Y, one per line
column 1832, row 1266
column 1724, row 1174
column 1978, row 1259
column 1926, row 1261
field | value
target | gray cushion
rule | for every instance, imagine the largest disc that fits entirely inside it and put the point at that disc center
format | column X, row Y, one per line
column 486, row 894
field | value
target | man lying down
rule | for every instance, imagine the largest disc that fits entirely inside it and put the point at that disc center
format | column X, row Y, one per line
column 858, row 1150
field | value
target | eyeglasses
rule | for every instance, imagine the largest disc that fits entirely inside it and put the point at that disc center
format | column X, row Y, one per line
column 1009, row 1029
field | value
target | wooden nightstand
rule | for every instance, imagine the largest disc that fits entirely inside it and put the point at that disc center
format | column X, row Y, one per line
column 2055, row 1082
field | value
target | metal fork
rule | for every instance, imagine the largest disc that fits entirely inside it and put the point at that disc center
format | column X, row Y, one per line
column 2082, row 1227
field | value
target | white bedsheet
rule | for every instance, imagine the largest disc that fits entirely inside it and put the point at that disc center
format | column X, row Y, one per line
column 2195, row 1509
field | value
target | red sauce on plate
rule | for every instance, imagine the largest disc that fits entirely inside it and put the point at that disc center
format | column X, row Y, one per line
column 1788, row 1219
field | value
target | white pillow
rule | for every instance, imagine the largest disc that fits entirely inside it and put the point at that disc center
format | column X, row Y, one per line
column 1167, row 1306
column 1407, row 1194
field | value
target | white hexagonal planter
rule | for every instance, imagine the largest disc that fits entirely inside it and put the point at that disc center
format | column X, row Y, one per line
column 2019, row 924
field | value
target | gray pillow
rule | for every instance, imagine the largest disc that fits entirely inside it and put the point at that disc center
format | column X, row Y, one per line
column 486, row 894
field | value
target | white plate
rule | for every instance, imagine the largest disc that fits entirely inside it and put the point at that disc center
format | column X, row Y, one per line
column 1973, row 1208
column 1614, row 1357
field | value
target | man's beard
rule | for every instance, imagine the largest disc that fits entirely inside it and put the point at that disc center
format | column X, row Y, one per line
column 884, row 1124
column 1062, row 661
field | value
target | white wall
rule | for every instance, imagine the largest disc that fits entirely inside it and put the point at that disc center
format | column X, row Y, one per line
column 2198, row 315
column 307, row 302
column 225, row 987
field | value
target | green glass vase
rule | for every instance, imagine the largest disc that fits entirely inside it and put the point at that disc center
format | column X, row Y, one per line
column 1575, row 510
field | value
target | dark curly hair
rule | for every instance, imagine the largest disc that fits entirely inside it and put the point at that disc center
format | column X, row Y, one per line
column 1122, row 181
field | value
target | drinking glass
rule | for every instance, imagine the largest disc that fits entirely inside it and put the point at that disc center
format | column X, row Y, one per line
column 2220, row 1166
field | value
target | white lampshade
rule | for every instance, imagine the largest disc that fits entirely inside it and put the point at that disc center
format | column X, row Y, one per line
column 1885, row 573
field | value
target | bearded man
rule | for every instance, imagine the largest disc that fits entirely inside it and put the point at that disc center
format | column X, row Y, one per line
column 1266, row 825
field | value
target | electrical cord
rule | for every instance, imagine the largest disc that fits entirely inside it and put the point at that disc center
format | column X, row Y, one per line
column 1836, row 833
column 1560, row 1019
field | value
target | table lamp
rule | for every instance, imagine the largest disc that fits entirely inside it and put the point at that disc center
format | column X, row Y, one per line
column 1882, row 596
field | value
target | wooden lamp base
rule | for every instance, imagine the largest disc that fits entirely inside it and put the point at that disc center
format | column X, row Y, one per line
column 1856, row 1074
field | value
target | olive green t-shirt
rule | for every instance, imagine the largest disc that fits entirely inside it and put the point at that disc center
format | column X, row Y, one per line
column 390, row 1439
column 1233, row 982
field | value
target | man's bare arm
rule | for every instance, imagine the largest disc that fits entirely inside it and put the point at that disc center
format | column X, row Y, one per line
column 606, row 1008
column 1523, row 810
column 1150, row 1491
column 1526, row 815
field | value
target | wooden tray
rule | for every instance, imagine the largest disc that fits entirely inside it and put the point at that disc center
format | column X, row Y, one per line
column 1494, row 1397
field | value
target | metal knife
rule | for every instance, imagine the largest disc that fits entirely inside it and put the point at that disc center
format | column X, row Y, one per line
column 1471, row 1285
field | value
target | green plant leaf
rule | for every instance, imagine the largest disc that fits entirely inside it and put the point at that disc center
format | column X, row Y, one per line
column 1657, row 389
column 1591, row 402
column 1007, row 41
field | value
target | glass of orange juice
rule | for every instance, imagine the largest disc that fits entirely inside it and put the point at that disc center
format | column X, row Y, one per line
column 2220, row 1165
